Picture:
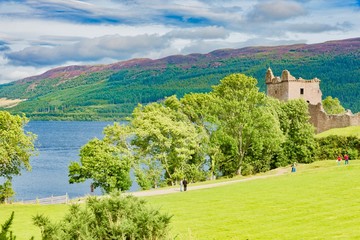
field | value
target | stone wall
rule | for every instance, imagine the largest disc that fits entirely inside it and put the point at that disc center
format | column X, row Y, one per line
column 323, row 121
column 288, row 87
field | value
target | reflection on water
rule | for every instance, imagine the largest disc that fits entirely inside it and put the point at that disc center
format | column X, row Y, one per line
column 58, row 143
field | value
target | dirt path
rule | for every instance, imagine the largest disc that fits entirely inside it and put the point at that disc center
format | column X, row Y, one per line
column 154, row 192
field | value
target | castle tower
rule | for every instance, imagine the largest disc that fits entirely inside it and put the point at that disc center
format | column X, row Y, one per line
column 288, row 87
column 269, row 76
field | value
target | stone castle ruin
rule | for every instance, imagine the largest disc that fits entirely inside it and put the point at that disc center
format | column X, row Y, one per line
column 288, row 87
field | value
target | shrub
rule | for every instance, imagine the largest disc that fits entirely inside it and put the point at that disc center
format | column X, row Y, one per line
column 332, row 146
column 114, row 217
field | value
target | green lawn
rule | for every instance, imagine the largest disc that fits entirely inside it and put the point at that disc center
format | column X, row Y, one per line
column 319, row 201
column 347, row 131
column 23, row 227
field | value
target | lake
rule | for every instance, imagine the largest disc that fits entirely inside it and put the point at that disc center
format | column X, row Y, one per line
column 58, row 144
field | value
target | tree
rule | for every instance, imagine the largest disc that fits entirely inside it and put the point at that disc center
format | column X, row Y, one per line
column 107, row 162
column 223, row 154
column 164, row 138
column 6, row 191
column 246, row 116
column 198, row 108
column 332, row 105
column 112, row 217
column 300, row 145
column 16, row 148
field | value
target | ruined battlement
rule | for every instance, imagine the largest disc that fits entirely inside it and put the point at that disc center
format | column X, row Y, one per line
column 288, row 87
column 286, row 77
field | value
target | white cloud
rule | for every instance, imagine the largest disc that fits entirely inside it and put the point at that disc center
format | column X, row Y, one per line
column 111, row 46
column 275, row 10
column 34, row 33
column 212, row 32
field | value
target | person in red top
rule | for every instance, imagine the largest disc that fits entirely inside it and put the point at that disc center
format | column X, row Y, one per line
column 339, row 160
column 346, row 158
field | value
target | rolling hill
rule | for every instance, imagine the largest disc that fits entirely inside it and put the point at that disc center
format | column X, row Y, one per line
column 110, row 92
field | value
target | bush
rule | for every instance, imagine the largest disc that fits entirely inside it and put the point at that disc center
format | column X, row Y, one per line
column 332, row 146
column 247, row 169
column 113, row 217
column 6, row 191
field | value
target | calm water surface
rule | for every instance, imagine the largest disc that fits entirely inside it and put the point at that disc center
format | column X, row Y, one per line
column 58, row 144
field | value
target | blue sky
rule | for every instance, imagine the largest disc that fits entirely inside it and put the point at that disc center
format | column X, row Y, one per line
column 37, row 35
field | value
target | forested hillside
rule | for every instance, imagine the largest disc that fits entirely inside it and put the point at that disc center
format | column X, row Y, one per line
column 110, row 92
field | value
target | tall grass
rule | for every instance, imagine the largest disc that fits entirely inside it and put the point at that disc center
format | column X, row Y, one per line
column 319, row 201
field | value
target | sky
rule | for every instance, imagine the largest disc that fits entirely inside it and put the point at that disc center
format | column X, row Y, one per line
column 37, row 35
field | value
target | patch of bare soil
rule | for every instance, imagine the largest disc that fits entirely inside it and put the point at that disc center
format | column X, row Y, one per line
column 9, row 103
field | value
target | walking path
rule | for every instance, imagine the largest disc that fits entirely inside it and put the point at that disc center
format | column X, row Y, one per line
column 176, row 189
column 162, row 191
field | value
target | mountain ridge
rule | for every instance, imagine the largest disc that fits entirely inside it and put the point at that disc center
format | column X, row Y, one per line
column 76, row 70
column 111, row 91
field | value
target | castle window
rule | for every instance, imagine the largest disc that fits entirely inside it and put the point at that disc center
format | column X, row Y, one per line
column 301, row 91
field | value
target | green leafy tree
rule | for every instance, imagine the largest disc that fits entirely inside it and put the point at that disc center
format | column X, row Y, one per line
column 113, row 217
column 6, row 191
column 164, row 137
column 107, row 162
column 246, row 116
column 16, row 148
column 300, row 145
column 148, row 173
column 332, row 105
column 198, row 108
column 223, row 152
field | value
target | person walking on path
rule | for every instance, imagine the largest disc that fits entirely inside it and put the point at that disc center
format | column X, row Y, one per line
column 181, row 185
column 184, row 183
column 339, row 160
column 293, row 167
column 346, row 158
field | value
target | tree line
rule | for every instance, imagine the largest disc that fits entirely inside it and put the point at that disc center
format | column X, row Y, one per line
column 234, row 129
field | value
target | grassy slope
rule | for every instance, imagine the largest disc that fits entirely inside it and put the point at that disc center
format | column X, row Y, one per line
column 319, row 201
column 347, row 131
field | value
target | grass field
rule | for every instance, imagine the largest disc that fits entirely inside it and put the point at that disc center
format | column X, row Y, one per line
column 319, row 201
column 347, row 131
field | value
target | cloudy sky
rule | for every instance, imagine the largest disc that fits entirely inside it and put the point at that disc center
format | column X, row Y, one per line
column 37, row 35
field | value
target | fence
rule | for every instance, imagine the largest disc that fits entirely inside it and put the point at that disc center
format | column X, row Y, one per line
column 49, row 200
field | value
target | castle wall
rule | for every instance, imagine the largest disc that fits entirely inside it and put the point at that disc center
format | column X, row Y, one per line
column 278, row 90
column 307, row 90
column 303, row 89
column 323, row 121
column 288, row 87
